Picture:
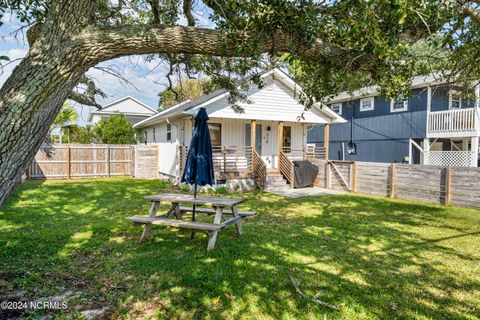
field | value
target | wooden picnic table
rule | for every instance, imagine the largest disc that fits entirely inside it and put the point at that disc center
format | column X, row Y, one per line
column 222, row 208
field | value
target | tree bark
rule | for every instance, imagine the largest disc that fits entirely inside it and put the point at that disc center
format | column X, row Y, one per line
column 67, row 45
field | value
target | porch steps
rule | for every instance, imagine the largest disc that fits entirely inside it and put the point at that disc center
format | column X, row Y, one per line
column 275, row 181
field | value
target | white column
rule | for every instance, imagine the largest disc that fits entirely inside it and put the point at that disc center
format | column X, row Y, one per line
column 429, row 106
column 475, row 151
column 426, row 149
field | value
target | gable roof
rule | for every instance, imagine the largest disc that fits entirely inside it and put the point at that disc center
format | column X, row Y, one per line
column 189, row 107
column 141, row 109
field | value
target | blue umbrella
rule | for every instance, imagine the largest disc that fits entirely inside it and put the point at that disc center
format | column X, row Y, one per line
column 199, row 166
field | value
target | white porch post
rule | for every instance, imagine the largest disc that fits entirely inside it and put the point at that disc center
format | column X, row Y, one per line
column 429, row 107
column 426, row 149
column 475, row 151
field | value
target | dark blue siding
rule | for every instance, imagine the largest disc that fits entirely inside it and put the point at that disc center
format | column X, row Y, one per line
column 440, row 98
column 382, row 135
column 418, row 102
column 371, row 150
column 399, row 125
column 381, row 138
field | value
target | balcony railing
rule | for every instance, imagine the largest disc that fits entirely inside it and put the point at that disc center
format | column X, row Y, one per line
column 450, row 121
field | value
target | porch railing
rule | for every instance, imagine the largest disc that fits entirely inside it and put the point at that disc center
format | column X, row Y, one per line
column 259, row 169
column 229, row 162
column 285, row 166
column 304, row 153
column 458, row 120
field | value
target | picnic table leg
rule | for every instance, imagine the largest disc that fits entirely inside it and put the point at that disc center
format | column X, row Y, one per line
column 148, row 226
column 239, row 222
column 178, row 213
column 213, row 235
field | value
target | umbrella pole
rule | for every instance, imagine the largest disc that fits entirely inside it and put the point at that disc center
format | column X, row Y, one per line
column 194, row 207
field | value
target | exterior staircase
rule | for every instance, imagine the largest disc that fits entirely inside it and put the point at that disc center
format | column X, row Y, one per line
column 275, row 181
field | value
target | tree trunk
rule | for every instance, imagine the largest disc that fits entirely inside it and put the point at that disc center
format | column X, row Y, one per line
column 33, row 95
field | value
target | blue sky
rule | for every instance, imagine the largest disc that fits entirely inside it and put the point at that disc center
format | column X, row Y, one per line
column 147, row 78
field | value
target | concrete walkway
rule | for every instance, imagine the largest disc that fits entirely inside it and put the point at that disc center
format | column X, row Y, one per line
column 303, row 192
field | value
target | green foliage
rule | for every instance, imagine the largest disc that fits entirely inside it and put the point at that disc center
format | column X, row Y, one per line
column 81, row 135
column 115, row 129
column 26, row 12
column 374, row 257
column 65, row 120
column 184, row 90
column 359, row 43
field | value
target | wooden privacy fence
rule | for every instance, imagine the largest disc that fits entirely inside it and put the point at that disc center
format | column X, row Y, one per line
column 435, row 184
column 82, row 161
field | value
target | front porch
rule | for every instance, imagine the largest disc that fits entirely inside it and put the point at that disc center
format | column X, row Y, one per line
column 243, row 162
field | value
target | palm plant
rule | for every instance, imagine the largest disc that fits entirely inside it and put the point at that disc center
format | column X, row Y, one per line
column 66, row 117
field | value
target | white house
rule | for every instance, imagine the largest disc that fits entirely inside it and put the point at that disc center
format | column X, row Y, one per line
column 134, row 110
column 259, row 142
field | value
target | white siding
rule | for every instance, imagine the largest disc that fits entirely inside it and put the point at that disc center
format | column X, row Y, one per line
column 128, row 105
column 273, row 102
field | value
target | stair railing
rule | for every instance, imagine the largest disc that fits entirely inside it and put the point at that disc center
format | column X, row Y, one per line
column 286, row 168
column 259, row 169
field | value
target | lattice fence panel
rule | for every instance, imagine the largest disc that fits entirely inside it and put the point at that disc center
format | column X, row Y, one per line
column 449, row 158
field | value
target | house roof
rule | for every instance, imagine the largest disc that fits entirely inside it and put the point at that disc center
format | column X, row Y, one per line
column 189, row 107
column 417, row 82
column 140, row 108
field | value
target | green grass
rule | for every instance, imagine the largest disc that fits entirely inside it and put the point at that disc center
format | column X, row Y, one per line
column 375, row 258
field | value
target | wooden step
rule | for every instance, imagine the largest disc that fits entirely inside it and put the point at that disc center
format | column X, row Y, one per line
column 177, row 223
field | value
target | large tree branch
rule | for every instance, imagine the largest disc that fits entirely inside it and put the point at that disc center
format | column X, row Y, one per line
column 84, row 99
column 109, row 43
column 472, row 13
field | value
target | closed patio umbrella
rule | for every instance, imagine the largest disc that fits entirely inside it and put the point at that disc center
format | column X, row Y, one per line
column 199, row 166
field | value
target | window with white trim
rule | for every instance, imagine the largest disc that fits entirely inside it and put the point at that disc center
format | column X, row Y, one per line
column 399, row 104
column 454, row 99
column 337, row 108
column 366, row 104
column 169, row 132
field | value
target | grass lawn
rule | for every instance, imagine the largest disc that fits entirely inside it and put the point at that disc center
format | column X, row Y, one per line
column 373, row 257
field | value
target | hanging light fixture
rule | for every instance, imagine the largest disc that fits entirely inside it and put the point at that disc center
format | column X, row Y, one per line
column 352, row 146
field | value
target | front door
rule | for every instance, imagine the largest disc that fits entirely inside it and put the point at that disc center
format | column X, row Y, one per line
column 287, row 139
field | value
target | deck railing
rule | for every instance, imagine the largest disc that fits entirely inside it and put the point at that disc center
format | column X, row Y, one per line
column 229, row 162
column 304, row 153
column 458, row 120
column 259, row 169
column 285, row 166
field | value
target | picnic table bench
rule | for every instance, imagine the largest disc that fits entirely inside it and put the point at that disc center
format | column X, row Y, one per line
column 225, row 211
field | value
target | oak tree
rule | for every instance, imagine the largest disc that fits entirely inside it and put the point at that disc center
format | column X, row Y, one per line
column 336, row 44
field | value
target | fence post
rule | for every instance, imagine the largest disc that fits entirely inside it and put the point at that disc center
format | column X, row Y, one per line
column 353, row 183
column 108, row 161
column 327, row 174
column 448, row 185
column 68, row 162
column 393, row 170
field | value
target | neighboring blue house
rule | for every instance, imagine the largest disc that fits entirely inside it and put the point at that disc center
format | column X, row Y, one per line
column 433, row 126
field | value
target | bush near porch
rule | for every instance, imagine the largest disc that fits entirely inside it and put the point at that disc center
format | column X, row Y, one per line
column 374, row 258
